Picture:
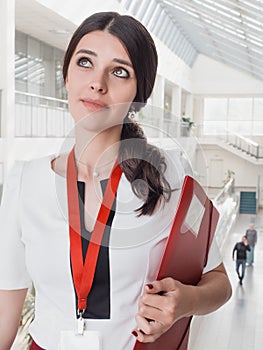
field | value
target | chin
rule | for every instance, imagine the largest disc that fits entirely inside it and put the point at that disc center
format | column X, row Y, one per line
column 99, row 121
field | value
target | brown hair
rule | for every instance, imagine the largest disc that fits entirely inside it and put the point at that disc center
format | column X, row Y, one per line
column 142, row 163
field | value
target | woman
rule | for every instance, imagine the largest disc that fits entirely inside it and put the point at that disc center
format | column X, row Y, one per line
column 109, row 72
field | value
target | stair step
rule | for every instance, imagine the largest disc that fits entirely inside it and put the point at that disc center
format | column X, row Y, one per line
column 248, row 203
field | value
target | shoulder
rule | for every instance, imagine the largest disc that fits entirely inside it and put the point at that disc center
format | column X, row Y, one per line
column 236, row 246
column 37, row 167
column 28, row 170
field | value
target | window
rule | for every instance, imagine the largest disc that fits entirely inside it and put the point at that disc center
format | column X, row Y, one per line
column 235, row 114
column 240, row 109
column 38, row 67
column 215, row 116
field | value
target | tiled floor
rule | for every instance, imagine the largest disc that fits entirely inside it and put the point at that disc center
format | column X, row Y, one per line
column 238, row 325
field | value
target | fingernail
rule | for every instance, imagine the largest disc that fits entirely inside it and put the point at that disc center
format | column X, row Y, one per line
column 135, row 333
column 150, row 286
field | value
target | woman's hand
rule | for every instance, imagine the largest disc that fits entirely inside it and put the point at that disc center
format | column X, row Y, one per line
column 163, row 303
column 166, row 301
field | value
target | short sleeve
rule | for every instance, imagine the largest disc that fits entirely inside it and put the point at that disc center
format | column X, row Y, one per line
column 214, row 257
column 13, row 272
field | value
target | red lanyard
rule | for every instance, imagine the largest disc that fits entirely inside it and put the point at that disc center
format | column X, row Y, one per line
column 83, row 273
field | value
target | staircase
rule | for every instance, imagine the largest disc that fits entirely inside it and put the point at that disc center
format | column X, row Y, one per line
column 238, row 145
column 248, row 203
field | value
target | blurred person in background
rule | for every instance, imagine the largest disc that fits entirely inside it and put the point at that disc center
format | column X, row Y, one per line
column 251, row 235
column 241, row 249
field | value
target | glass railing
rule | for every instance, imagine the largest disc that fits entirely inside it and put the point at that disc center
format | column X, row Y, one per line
column 41, row 116
column 226, row 202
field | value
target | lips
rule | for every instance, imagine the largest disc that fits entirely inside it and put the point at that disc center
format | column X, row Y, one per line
column 93, row 105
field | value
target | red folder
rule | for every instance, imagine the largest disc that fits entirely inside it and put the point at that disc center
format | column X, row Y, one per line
column 186, row 255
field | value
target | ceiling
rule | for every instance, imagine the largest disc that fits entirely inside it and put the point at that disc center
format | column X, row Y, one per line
column 230, row 31
column 40, row 22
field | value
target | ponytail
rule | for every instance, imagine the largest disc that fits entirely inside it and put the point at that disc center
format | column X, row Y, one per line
column 144, row 167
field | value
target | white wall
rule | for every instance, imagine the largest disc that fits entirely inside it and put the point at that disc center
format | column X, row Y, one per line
column 172, row 67
column 246, row 173
column 212, row 77
column 76, row 11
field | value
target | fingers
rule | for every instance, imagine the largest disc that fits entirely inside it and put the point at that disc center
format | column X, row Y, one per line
column 146, row 326
column 160, row 308
column 162, row 286
column 157, row 309
column 144, row 338
column 153, row 300
column 148, row 330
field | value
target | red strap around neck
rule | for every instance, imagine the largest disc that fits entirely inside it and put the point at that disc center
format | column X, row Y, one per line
column 83, row 273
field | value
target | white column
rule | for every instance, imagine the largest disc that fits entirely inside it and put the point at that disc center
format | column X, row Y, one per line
column 7, row 81
column 189, row 105
column 50, row 74
column 198, row 114
column 176, row 107
column 158, row 101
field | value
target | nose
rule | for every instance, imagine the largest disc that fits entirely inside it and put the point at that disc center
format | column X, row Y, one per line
column 98, row 85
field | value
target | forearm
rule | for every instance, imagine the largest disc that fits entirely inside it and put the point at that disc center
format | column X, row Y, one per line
column 212, row 291
column 7, row 334
column 11, row 303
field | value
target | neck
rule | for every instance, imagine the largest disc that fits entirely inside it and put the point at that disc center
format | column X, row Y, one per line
column 96, row 154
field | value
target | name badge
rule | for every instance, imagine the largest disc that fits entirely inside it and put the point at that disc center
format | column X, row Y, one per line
column 70, row 340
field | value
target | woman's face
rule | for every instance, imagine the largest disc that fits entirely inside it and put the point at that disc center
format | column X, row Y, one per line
column 101, row 82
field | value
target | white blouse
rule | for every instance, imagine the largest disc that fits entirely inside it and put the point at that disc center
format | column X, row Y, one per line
column 34, row 247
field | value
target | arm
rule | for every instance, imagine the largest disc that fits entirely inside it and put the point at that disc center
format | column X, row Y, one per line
column 14, row 278
column 11, row 304
column 233, row 253
column 214, row 291
column 178, row 301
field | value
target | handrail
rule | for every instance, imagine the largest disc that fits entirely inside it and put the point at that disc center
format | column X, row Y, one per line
column 229, row 187
column 246, row 139
column 245, row 144
column 227, row 204
column 41, row 116
column 41, row 96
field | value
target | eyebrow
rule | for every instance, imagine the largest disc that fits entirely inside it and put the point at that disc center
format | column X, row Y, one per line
column 118, row 60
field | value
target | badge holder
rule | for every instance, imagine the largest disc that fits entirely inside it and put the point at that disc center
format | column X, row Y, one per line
column 83, row 271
